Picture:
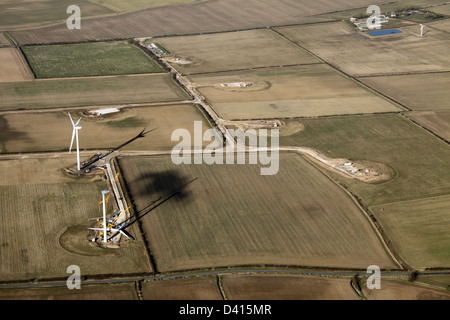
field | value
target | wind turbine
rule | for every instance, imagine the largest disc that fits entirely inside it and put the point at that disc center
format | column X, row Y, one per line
column 421, row 29
column 105, row 228
column 76, row 128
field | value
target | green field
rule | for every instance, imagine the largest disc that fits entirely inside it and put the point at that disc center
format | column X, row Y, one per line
column 231, row 215
column 419, row 229
column 403, row 290
column 94, row 91
column 420, row 160
column 89, row 59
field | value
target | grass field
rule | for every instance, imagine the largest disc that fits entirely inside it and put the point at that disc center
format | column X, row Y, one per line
column 436, row 122
column 26, row 132
column 45, row 218
column 89, row 59
column 24, row 13
column 204, row 288
column 13, row 66
column 338, row 43
column 419, row 229
column 419, row 159
column 97, row 91
column 125, row 291
column 218, row 220
column 234, row 51
column 301, row 91
column 283, row 287
column 438, row 280
column 423, row 92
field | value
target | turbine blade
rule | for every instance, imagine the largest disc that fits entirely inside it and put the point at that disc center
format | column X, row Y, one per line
column 78, row 122
column 71, row 120
column 71, row 143
column 126, row 234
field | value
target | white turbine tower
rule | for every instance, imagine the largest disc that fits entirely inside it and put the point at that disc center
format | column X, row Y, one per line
column 421, row 30
column 76, row 128
column 105, row 236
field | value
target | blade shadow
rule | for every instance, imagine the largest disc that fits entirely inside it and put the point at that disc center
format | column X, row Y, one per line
column 140, row 135
column 150, row 207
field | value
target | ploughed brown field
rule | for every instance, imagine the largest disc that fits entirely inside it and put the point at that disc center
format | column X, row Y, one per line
column 285, row 287
column 204, row 288
column 125, row 291
column 211, row 16
column 212, row 218
column 233, row 51
column 25, row 132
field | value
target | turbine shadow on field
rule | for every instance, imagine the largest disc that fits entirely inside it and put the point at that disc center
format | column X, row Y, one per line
column 7, row 134
column 161, row 184
column 140, row 135
column 175, row 193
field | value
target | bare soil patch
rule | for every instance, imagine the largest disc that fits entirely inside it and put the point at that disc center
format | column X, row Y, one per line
column 363, row 170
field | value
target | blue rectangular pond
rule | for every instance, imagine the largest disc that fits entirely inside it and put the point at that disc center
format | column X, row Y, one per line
column 384, row 32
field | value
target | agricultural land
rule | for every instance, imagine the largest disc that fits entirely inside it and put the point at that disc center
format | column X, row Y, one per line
column 94, row 122
column 89, row 59
column 13, row 66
